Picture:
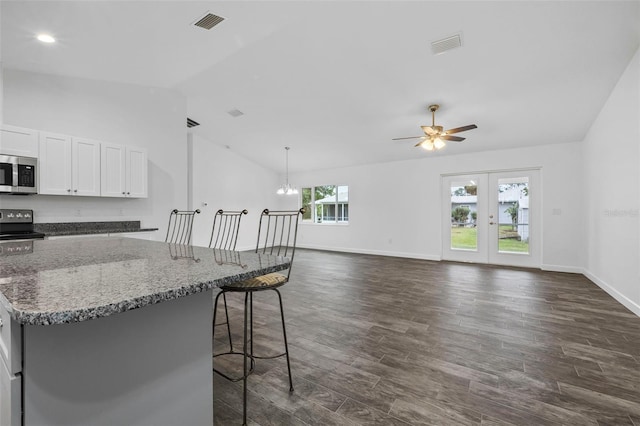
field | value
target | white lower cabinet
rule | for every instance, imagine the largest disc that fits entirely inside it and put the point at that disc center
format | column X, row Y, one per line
column 69, row 165
column 123, row 171
column 10, row 370
column 10, row 397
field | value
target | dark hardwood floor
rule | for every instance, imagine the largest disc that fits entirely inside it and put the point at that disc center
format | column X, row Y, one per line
column 391, row 341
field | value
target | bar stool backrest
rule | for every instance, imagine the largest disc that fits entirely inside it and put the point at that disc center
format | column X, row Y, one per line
column 226, row 224
column 278, row 232
column 180, row 226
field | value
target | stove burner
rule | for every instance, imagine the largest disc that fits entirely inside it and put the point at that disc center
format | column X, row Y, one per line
column 17, row 224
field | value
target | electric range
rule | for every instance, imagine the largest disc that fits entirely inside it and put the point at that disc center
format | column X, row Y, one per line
column 17, row 224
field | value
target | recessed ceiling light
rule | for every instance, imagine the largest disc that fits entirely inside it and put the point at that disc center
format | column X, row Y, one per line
column 46, row 38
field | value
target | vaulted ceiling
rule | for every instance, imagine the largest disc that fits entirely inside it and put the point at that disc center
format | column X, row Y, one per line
column 337, row 80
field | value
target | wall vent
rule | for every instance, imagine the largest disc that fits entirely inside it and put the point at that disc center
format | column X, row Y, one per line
column 208, row 21
column 192, row 123
column 446, row 44
column 235, row 113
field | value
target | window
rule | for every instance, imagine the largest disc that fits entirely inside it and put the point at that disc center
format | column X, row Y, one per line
column 326, row 204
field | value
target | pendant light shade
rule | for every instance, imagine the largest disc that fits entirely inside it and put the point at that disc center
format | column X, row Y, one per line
column 286, row 188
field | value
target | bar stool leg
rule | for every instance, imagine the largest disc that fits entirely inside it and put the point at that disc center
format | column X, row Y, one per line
column 226, row 313
column 245, row 356
column 253, row 361
column 286, row 346
column 215, row 310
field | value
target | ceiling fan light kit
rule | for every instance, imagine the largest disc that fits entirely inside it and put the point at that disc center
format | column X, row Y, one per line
column 435, row 136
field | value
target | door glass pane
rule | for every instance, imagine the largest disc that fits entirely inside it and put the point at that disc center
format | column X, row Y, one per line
column 464, row 216
column 513, row 215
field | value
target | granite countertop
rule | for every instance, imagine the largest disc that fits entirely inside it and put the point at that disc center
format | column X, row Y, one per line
column 64, row 281
column 87, row 228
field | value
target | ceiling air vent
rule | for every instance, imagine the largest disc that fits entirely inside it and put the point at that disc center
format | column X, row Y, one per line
column 192, row 123
column 208, row 21
column 448, row 43
column 235, row 113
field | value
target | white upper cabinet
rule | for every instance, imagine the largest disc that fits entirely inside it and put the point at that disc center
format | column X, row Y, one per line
column 136, row 159
column 124, row 171
column 69, row 166
column 55, row 164
column 85, row 167
column 18, row 141
column 112, row 179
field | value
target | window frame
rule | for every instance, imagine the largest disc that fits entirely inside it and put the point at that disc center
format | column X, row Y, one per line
column 338, row 207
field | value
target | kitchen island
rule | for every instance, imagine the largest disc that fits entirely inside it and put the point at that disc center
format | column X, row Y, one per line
column 112, row 331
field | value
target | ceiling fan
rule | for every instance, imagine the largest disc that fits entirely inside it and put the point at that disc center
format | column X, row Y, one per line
column 434, row 136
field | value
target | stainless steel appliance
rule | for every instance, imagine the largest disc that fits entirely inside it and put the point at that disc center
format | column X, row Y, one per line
column 17, row 224
column 18, row 175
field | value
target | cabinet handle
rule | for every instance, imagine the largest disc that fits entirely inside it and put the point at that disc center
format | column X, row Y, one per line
column 69, row 190
column 1, row 324
column 123, row 193
column 75, row 190
column 128, row 193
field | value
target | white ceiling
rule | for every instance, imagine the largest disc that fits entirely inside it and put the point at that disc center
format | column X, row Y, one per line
column 337, row 80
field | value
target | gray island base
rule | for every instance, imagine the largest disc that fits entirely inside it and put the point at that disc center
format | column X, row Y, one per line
column 112, row 331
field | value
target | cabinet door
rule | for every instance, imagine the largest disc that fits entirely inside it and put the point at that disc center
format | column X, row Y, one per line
column 18, row 141
column 136, row 172
column 11, row 400
column 86, row 167
column 55, row 164
column 112, row 170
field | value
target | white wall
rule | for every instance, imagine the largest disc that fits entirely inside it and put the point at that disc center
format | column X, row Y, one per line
column 395, row 209
column 224, row 180
column 1, row 78
column 611, row 163
column 118, row 113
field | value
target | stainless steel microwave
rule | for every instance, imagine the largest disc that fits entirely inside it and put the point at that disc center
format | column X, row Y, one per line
column 18, row 175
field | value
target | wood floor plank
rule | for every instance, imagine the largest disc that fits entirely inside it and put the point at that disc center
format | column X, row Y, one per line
column 532, row 404
column 380, row 340
column 363, row 414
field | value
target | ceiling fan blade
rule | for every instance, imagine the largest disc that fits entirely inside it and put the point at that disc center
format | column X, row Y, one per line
column 421, row 142
column 410, row 137
column 452, row 138
column 460, row 129
column 429, row 130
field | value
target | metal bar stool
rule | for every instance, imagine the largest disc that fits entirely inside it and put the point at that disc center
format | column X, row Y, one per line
column 180, row 226
column 224, row 236
column 277, row 234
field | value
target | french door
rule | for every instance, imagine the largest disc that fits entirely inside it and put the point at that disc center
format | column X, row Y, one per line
column 492, row 218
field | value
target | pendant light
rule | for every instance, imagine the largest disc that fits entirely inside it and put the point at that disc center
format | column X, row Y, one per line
column 286, row 188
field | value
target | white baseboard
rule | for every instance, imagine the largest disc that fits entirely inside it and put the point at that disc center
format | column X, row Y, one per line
column 560, row 268
column 373, row 252
column 624, row 300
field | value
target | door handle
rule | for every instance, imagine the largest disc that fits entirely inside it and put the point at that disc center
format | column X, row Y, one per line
column 491, row 223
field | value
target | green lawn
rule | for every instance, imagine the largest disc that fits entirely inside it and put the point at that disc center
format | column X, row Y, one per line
column 464, row 238
column 467, row 239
